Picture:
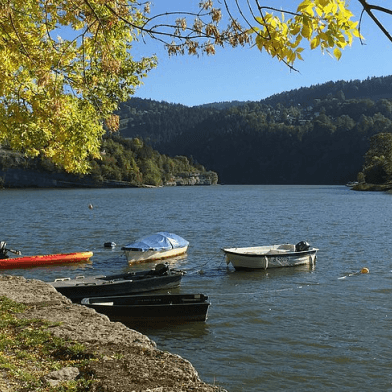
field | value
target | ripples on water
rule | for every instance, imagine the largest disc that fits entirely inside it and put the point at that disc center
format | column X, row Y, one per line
column 276, row 330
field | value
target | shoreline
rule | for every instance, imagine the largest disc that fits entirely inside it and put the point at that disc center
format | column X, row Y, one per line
column 129, row 360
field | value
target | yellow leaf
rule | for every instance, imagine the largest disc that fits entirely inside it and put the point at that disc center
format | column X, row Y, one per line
column 295, row 30
column 337, row 53
column 314, row 43
column 305, row 31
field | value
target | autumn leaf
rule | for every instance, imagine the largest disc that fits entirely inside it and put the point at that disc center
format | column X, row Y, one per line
column 324, row 24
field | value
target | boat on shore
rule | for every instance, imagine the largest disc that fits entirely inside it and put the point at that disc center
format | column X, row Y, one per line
column 351, row 184
column 158, row 246
column 161, row 277
column 44, row 260
column 151, row 309
column 272, row 256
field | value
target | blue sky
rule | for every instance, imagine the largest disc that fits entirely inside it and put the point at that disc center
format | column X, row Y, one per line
column 246, row 74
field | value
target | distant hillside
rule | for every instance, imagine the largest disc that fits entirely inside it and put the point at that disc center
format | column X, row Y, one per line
column 315, row 135
column 371, row 88
column 123, row 163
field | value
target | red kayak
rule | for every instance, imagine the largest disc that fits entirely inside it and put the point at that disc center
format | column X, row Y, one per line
column 39, row 261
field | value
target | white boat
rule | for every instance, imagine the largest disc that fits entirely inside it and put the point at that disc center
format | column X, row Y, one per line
column 272, row 256
column 351, row 184
column 156, row 246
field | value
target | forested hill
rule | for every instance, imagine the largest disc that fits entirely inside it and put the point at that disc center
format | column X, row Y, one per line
column 371, row 88
column 315, row 135
column 123, row 163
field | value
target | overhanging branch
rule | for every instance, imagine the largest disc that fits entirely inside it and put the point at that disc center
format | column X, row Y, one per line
column 369, row 8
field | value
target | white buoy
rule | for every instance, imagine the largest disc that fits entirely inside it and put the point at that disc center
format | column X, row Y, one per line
column 90, row 206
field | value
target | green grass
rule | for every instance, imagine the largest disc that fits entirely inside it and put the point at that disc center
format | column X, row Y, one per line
column 29, row 351
column 363, row 186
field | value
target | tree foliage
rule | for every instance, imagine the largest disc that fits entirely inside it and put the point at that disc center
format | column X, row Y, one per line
column 323, row 23
column 56, row 93
column 123, row 162
column 378, row 160
column 67, row 64
column 315, row 135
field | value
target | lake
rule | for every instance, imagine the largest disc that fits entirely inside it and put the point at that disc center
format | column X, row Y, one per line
column 277, row 330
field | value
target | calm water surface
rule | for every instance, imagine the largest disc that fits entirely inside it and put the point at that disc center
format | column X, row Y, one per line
column 281, row 330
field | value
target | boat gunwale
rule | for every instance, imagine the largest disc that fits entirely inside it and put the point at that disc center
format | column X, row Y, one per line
column 109, row 304
column 136, row 256
column 101, row 280
column 188, row 308
column 231, row 251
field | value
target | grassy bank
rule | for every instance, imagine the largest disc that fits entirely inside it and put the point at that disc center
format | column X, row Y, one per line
column 28, row 352
column 363, row 186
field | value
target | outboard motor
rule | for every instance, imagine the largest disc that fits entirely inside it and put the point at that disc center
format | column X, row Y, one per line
column 162, row 269
column 302, row 246
column 3, row 250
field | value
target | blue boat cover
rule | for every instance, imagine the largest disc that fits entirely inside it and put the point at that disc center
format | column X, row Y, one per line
column 159, row 241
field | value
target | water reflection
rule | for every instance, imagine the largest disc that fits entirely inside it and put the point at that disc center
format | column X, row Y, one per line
column 178, row 331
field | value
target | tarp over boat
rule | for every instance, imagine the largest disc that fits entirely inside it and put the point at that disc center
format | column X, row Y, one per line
column 160, row 241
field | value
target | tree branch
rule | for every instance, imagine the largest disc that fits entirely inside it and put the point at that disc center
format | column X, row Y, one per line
column 369, row 8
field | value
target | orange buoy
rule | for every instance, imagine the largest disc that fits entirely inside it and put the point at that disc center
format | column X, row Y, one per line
column 364, row 270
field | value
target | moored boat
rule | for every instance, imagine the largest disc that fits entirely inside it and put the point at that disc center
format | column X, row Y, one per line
column 152, row 309
column 351, row 184
column 156, row 246
column 44, row 260
column 159, row 278
column 272, row 256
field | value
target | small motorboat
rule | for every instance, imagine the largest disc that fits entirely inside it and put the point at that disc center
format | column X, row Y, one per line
column 160, row 277
column 151, row 309
column 43, row 260
column 273, row 256
column 156, row 246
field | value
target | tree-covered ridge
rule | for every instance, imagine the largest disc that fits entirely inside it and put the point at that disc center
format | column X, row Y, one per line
column 123, row 162
column 317, row 135
column 138, row 163
column 373, row 88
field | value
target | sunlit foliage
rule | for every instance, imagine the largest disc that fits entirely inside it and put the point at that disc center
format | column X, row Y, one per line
column 66, row 65
column 57, row 94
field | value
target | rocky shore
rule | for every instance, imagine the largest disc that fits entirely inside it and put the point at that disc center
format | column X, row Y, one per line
column 131, row 362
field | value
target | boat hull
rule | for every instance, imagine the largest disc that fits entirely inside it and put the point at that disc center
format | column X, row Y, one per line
column 266, row 257
column 44, row 260
column 134, row 256
column 152, row 309
column 157, row 246
column 115, row 285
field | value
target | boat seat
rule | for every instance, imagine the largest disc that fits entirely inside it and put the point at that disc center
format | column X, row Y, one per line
column 287, row 247
column 277, row 251
column 81, row 278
